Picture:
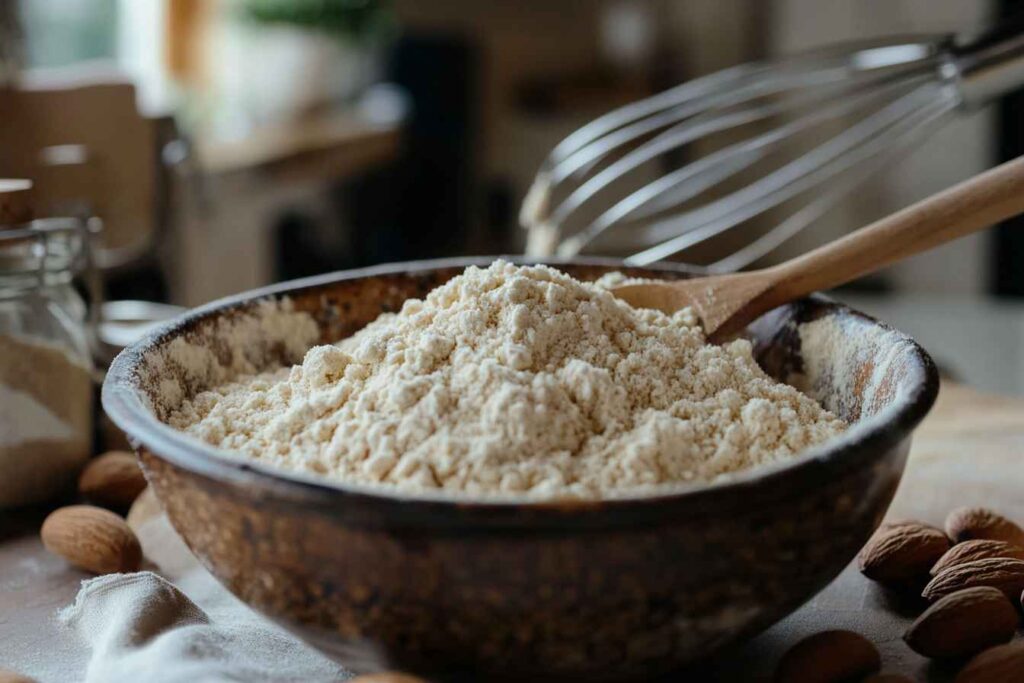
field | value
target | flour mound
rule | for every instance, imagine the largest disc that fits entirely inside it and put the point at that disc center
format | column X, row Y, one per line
column 516, row 380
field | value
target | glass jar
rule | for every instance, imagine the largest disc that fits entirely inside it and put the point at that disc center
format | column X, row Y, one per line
column 46, row 254
column 46, row 386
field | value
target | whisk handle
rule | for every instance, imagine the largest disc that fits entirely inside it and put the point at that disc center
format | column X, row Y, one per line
column 989, row 66
column 963, row 209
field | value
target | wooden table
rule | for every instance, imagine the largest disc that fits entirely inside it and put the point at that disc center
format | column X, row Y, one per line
column 970, row 451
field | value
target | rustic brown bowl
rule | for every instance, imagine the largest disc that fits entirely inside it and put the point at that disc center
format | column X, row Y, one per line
column 614, row 589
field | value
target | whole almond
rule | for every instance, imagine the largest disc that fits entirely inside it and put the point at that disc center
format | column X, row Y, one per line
column 965, row 524
column 112, row 480
column 92, row 538
column 829, row 657
column 998, row 572
column 978, row 549
column 963, row 624
column 1002, row 664
column 903, row 552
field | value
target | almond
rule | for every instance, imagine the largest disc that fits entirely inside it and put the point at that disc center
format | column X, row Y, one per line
column 998, row 572
column 829, row 657
column 92, row 538
column 963, row 624
column 112, row 480
column 902, row 552
column 387, row 677
column 965, row 524
column 1001, row 664
column 979, row 549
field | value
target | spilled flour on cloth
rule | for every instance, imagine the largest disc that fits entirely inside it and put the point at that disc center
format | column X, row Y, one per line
column 513, row 380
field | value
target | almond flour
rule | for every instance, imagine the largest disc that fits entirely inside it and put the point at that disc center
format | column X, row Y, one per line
column 45, row 419
column 515, row 381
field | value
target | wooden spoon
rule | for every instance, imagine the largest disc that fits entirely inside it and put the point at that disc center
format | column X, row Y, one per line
column 725, row 304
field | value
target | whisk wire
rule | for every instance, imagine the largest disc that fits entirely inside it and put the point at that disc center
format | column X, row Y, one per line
column 886, row 95
column 880, row 155
column 779, row 183
column 583, row 158
column 869, row 55
column 875, row 134
column 687, row 182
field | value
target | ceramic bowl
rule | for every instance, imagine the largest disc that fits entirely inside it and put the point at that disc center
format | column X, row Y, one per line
column 606, row 590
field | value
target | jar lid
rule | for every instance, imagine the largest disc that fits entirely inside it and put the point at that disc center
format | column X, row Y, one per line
column 43, row 248
column 15, row 201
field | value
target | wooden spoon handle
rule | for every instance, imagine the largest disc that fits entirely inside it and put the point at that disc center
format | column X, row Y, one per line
column 972, row 205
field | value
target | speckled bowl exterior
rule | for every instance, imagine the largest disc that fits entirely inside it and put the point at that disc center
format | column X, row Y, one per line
column 604, row 590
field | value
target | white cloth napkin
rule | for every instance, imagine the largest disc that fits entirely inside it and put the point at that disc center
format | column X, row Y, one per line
column 142, row 627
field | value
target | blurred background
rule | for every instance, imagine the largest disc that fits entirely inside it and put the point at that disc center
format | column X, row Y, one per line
column 228, row 144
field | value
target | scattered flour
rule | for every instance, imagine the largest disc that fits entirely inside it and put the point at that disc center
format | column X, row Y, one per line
column 515, row 381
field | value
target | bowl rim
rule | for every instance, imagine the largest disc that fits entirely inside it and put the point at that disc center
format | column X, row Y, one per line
column 122, row 399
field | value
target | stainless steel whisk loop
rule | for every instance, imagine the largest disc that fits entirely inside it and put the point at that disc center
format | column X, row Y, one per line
column 884, row 97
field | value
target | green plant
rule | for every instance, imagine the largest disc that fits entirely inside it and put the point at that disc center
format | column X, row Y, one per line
column 351, row 19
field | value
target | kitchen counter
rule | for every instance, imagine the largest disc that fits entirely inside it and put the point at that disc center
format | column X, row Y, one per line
column 970, row 451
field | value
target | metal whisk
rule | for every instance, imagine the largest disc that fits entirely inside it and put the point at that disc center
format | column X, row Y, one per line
column 806, row 130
